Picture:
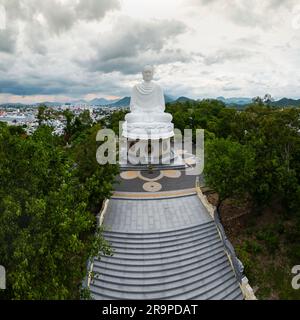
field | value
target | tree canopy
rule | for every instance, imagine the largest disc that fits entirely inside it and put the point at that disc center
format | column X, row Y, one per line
column 49, row 195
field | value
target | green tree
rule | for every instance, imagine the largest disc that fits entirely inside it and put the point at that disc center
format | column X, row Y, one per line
column 41, row 116
column 112, row 121
column 47, row 231
column 97, row 179
column 229, row 168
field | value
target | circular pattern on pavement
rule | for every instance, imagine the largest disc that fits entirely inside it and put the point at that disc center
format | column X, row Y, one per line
column 128, row 175
column 152, row 186
column 171, row 173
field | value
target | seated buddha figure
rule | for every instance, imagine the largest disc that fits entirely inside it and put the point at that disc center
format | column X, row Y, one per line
column 147, row 118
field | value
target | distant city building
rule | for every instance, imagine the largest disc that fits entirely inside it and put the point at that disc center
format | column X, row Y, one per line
column 27, row 116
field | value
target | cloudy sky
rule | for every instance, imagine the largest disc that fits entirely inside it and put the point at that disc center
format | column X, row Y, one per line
column 63, row 50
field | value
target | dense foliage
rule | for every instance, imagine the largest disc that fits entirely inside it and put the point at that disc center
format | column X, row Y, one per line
column 114, row 119
column 254, row 152
column 50, row 192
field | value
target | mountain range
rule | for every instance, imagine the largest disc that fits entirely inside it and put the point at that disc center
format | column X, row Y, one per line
column 237, row 101
column 286, row 102
column 125, row 102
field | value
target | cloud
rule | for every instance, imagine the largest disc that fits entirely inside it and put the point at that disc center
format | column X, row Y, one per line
column 52, row 81
column 48, row 65
column 276, row 4
column 8, row 39
column 226, row 55
column 14, row 9
column 59, row 15
column 134, row 64
column 254, row 13
column 95, row 9
column 22, row 87
column 231, row 88
column 133, row 43
column 42, row 20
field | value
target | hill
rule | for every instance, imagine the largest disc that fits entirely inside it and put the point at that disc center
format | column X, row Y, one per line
column 124, row 102
column 101, row 102
column 183, row 100
column 235, row 101
column 285, row 102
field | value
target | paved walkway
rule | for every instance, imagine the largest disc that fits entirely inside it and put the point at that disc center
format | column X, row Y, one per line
column 137, row 179
column 155, row 215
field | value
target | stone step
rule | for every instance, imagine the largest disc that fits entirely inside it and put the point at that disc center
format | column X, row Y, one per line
column 165, row 242
column 194, row 238
column 162, row 269
column 157, row 234
column 162, row 258
column 220, row 293
column 190, row 233
column 212, row 284
column 200, row 243
column 229, row 292
column 110, row 276
column 234, row 294
column 210, row 290
column 167, row 255
column 138, row 287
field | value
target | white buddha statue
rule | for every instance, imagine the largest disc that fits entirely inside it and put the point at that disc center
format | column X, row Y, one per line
column 147, row 118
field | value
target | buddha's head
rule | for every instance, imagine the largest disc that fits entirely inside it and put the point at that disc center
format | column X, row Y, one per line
column 148, row 72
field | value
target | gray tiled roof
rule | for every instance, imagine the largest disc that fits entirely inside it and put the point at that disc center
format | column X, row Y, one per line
column 163, row 249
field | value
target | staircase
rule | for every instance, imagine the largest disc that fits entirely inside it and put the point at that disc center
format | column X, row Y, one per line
column 183, row 263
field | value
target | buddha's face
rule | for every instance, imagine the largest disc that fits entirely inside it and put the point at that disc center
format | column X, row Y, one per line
column 148, row 73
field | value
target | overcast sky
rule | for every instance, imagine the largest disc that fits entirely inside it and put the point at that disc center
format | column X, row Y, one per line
column 62, row 50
